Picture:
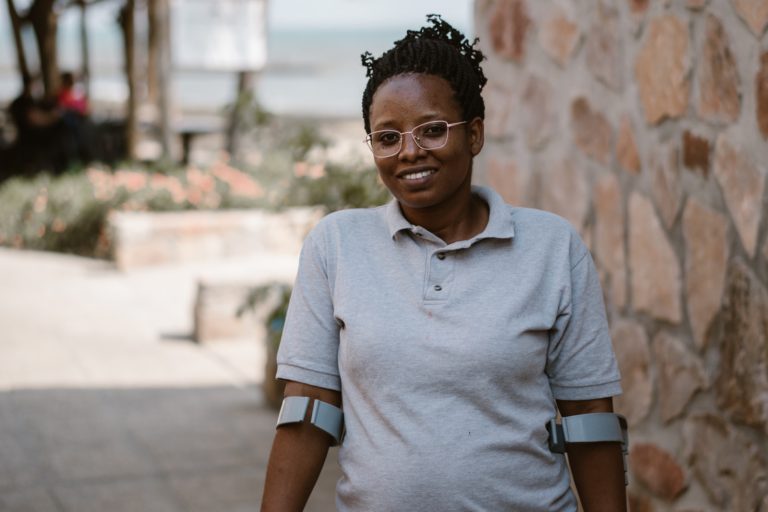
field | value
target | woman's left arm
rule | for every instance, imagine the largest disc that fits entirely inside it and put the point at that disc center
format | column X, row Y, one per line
column 597, row 468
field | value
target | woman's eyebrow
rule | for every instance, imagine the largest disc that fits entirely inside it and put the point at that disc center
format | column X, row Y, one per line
column 390, row 124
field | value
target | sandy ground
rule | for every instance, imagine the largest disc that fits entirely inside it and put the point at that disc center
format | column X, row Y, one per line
column 107, row 405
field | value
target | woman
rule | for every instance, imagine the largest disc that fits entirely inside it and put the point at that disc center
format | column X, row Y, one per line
column 451, row 326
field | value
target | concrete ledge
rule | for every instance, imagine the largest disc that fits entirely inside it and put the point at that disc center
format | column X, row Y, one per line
column 143, row 238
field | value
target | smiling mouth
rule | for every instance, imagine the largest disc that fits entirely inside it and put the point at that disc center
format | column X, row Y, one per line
column 418, row 174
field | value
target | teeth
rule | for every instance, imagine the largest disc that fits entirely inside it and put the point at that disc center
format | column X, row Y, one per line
column 418, row 175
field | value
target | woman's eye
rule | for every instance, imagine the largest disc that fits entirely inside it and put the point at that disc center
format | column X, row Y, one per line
column 434, row 130
column 387, row 138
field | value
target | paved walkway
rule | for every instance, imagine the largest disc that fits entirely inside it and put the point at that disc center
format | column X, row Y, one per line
column 106, row 404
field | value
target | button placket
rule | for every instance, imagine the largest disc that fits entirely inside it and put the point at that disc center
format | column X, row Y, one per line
column 439, row 277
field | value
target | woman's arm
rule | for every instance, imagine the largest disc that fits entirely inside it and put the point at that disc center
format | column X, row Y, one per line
column 297, row 456
column 597, row 468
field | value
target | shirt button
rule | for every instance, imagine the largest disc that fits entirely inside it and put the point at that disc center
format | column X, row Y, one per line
column 438, row 287
column 441, row 256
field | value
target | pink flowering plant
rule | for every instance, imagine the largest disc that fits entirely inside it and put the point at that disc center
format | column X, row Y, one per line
column 69, row 213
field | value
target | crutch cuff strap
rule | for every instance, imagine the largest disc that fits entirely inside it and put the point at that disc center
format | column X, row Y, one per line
column 326, row 417
column 588, row 428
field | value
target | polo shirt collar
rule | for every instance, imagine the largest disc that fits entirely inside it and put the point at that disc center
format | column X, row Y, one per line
column 500, row 224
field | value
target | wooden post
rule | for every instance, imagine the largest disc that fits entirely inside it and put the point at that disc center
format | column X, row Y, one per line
column 155, row 33
column 44, row 21
column 163, row 74
column 21, row 57
column 128, row 26
column 243, row 100
column 85, row 60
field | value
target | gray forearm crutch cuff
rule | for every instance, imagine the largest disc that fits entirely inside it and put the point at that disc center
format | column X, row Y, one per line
column 326, row 417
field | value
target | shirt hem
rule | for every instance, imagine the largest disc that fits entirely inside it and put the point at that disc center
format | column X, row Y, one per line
column 307, row 376
column 589, row 392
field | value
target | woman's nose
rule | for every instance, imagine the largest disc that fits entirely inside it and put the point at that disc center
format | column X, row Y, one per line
column 409, row 149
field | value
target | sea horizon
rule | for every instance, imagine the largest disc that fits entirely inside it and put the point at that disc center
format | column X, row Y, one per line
column 309, row 72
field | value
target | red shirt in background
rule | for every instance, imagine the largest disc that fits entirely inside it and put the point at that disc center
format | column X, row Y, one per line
column 73, row 100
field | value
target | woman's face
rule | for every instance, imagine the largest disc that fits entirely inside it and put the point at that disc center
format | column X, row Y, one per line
column 419, row 178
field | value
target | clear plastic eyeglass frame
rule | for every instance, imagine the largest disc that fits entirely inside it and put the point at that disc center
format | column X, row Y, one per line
column 390, row 146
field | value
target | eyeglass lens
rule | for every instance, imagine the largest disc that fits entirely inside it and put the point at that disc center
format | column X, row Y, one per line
column 431, row 135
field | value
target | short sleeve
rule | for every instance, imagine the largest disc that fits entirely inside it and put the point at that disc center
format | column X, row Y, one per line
column 309, row 346
column 580, row 362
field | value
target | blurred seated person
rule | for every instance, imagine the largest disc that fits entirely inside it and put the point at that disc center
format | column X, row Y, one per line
column 41, row 140
column 31, row 116
column 73, row 107
column 71, row 98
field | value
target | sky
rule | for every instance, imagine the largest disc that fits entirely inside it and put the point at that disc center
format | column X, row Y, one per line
column 319, row 14
column 347, row 13
column 314, row 14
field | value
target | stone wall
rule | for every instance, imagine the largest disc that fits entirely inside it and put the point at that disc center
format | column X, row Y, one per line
column 644, row 123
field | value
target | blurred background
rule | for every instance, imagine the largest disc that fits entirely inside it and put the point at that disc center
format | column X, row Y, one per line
column 162, row 160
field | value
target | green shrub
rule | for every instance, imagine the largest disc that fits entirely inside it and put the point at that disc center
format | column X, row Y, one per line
column 337, row 189
column 55, row 214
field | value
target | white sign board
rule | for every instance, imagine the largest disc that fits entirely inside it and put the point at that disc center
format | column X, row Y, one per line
column 219, row 35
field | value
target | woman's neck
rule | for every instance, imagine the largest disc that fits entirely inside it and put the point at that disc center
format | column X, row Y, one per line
column 458, row 220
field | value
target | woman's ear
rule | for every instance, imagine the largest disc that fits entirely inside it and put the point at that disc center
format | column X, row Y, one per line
column 476, row 135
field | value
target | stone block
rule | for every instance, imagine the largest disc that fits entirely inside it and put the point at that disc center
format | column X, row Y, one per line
column 661, row 69
column 696, row 5
column 656, row 278
column 510, row 180
column 638, row 6
column 680, row 374
column 591, row 131
column 665, row 183
column 565, row 191
column 559, row 36
column 706, row 256
column 537, row 114
column 658, row 470
column 609, row 236
column 630, row 343
column 731, row 467
column 696, row 153
column 498, row 119
column 742, row 183
column 742, row 381
column 754, row 13
column 508, row 28
column 603, row 48
column 717, row 76
column 626, row 147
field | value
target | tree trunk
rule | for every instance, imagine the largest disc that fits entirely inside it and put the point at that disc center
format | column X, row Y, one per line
column 21, row 57
column 162, row 68
column 44, row 22
column 156, row 31
column 127, row 24
column 243, row 100
column 85, row 73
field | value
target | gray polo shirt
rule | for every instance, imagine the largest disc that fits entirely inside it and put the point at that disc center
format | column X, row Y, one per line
column 449, row 357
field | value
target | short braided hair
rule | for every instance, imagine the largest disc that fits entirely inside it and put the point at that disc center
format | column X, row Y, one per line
column 439, row 50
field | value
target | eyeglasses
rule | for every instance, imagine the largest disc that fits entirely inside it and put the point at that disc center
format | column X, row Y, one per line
column 430, row 135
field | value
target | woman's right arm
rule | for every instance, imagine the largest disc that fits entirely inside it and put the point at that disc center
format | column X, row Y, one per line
column 297, row 456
